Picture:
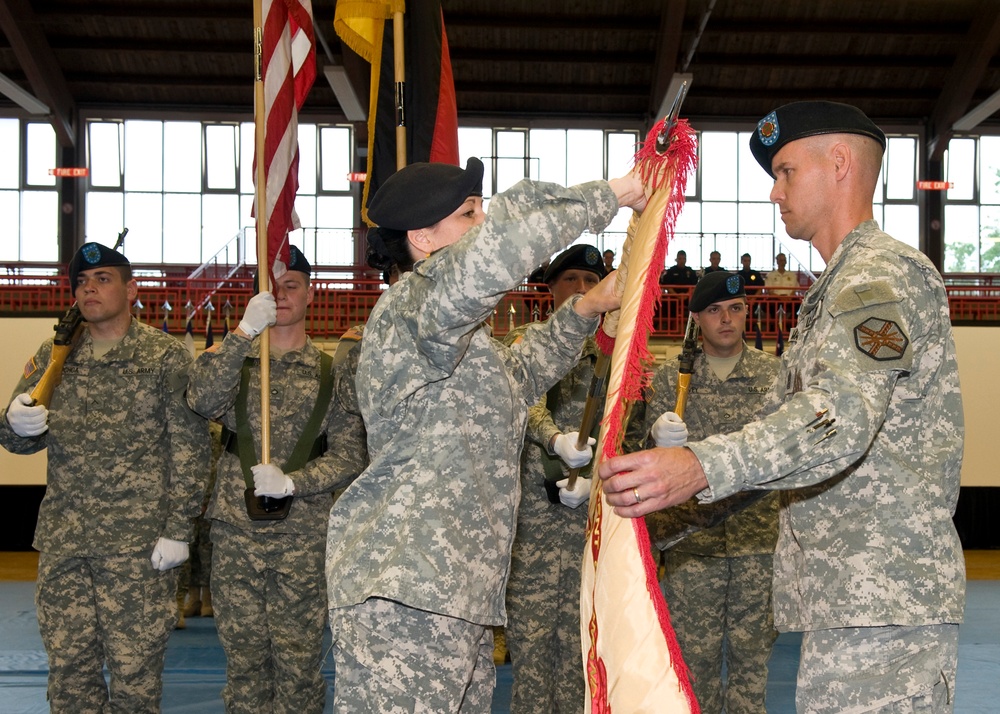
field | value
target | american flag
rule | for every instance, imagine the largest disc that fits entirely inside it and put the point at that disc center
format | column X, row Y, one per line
column 289, row 70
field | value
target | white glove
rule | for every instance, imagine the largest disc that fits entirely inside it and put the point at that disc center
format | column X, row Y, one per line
column 579, row 494
column 269, row 480
column 27, row 420
column 565, row 448
column 261, row 312
column 669, row 430
column 168, row 553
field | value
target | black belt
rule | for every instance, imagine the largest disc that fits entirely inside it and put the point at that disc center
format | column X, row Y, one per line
column 230, row 442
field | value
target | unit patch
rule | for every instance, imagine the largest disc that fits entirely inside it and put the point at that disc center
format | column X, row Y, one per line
column 881, row 340
column 768, row 130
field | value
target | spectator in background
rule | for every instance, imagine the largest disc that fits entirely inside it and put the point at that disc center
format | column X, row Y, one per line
column 679, row 274
column 714, row 258
column 781, row 281
column 609, row 260
column 751, row 278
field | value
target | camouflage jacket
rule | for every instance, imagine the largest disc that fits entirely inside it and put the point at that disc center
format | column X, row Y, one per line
column 714, row 407
column 295, row 380
column 430, row 522
column 866, row 537
column 538, row 519
column 127, row 460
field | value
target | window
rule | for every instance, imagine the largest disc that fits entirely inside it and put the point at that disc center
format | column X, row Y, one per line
column 972, row 205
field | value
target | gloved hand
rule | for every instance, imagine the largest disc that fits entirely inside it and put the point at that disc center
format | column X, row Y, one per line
column 565, row 448
column 27, row 420
column 669, row 430
column 579, row 494
column 269, row 480
column 261, row 312
column 168, row 553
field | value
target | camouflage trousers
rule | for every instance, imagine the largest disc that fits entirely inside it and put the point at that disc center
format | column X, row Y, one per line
column 116, row 611
column 878, row 669
column 392, row 659
column 269, row 595
column 543, row 627
column 720, row 609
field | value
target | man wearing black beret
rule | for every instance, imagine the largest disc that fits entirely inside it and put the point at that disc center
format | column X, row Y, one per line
column 717, row 581
column 127, row 465
column 865, row 444
column 543, row 625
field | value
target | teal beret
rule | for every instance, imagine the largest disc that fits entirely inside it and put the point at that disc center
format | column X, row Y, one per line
column 716, row 287
column 801, row 119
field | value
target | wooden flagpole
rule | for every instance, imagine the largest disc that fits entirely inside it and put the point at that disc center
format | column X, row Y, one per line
column 263, row 269
column 399, row 69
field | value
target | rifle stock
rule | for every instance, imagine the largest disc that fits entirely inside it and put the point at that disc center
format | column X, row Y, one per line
column 595, row 396
column 685, row 366
column 68, row 331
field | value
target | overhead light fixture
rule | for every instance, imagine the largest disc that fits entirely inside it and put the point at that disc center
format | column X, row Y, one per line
column 12, row 90
column 978, row 115
column 676, row 82
column 336, row 75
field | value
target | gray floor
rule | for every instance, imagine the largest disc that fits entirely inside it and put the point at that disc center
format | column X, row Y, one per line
column 195, row 669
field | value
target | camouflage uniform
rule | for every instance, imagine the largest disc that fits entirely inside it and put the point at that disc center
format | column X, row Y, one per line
column 718, row 581
column 866, row 537
column 543, row 610
column 430, row 522
column 267, row 586
column 127, row 462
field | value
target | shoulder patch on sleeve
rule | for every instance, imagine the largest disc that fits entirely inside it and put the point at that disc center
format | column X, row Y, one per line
column 882, row 340
column 862, row 296
column 30, row 367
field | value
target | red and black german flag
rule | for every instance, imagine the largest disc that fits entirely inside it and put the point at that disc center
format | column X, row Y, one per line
column 430, row 112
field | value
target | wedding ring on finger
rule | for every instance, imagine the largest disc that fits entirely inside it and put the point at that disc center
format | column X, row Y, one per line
column 638, row 498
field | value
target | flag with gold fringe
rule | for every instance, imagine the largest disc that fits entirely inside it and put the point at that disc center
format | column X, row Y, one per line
column 632, row 660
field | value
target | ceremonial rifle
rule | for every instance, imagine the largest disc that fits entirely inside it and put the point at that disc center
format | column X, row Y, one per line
column 595, row 399
column 685, row 366
column 68, row 331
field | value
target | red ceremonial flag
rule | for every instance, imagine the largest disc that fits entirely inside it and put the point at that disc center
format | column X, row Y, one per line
column 289, row 70
column 430, row 109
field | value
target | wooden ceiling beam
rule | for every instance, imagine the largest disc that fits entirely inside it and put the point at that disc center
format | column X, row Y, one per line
column 981, row 44
column 21, row 26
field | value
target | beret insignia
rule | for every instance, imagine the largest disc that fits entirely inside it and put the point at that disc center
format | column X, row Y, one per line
column 733, row 284
column 768, row 130
column 91, row 253
column 881, row 340
column 592, row 256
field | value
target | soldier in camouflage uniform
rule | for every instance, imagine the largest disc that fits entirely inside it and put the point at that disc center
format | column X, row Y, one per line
column 127, row 462
column 866, row 445
column 267, row 575
column 543, row 604
column 419, row 546
column 718, row 581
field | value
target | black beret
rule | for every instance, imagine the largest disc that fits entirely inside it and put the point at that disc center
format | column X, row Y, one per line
column 297, row 261
column 93, row 255
column 579, row 257
column 801, row 119
column 421, row 194
column 716, row 287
